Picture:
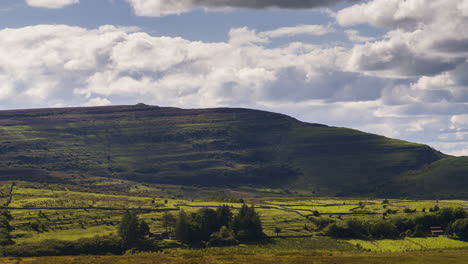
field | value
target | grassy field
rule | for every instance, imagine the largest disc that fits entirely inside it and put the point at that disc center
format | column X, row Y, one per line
column 280, row 257
column 59, row 212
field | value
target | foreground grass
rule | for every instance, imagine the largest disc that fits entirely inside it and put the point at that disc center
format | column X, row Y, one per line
column 410, row 244
column 280, row 257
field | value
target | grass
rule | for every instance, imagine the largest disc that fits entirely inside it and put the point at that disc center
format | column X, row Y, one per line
column 70, row 234
column 295, row 244
column 410, row 244
column 70, row 214
column 280, row 257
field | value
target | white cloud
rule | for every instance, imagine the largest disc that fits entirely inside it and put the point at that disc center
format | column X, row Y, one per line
column 45, row 63
column 160, row 7
column 314, row 30
column 390, row 13
column 98, row 101
column 53, row 4
column 355, row 36
column 425, row 38
column 246, row 35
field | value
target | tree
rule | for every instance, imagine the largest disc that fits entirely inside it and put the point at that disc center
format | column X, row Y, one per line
column 336, row 231
column 224, row 215
column 384, row 229
column 131, row 229
column 168, row 221
column 143, row 230
column 5, row 229
column 357, row 228
column 182, row 227
column 247, row 224
column 128, row 228
column 460, row 228
column 207, row 222
column 278, row 230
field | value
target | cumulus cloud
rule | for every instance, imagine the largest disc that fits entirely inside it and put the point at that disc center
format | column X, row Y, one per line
column 390, row 13
column 314, row 30
column 53, row 4
column 56, row 63
column 424, row 38
column 168, row 7
column 355, row 36
column 246, row 35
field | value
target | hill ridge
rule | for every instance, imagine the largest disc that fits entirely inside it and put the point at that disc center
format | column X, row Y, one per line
column 234, row 147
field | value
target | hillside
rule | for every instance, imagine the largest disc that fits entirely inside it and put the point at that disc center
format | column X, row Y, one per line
column 217, row 147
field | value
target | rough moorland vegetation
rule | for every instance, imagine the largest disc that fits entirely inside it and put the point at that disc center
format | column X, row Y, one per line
column 219, row 147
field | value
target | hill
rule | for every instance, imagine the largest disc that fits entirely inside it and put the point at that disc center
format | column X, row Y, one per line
column 224, row 147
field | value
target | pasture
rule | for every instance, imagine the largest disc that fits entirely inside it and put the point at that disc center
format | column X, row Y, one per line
column 59, row 212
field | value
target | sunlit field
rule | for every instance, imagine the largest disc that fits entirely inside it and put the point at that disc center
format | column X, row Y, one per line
column 56, row 212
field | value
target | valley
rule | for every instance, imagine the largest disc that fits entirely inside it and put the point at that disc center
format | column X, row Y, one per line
column 55, row 211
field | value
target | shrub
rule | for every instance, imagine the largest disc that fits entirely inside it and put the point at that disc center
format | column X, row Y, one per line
column 384, row 229
column 321, row 223
column 352, row 228
column 419, row 231
column 225, row 237
column 336, row 231
column 460, row 228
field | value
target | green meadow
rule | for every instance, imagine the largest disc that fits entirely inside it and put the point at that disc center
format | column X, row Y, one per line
column 65, row 212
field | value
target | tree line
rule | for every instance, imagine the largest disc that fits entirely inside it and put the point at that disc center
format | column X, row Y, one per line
column 453, row 221
column 218, row 227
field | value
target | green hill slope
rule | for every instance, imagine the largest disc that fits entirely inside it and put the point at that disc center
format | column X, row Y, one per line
column 217, row 147
column 446, row 178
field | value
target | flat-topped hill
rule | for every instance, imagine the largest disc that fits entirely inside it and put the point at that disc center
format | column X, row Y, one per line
column 224, row 147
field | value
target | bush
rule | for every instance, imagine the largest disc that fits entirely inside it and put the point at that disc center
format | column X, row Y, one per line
column 460, row 228
column 225, row 237
column 336, row 231
column 354, row 228
column 383, row 230
column 321, row 223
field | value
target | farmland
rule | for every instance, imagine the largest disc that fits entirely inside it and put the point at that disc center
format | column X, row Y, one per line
column 65, row 212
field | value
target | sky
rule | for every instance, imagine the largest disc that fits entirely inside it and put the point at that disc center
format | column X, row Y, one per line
column 397, row 68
